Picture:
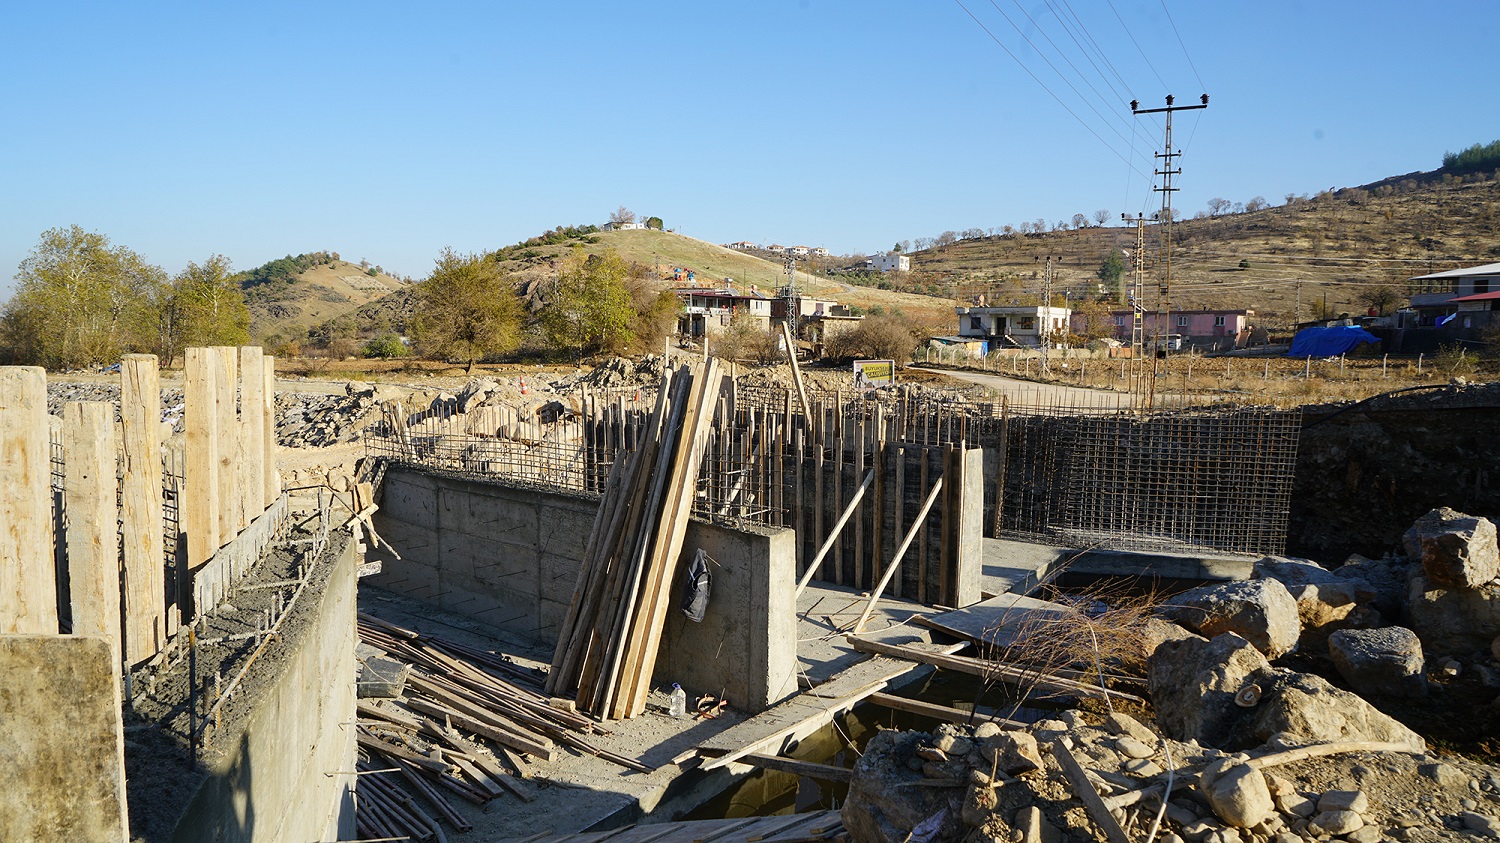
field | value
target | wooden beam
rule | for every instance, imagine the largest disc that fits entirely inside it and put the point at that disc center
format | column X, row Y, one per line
column 28, row 574
column 822, row 772
column 1092, row 802
column 226, row 416
column 271, row 477
column 937, row 486
column 147, row 624
column 945, row 713
column 199, row 506
column 91, row 539
column 252, row 469
column 833, row 536
column 791, row 353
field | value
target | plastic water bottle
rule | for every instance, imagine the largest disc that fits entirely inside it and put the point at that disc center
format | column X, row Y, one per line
column 679, row 701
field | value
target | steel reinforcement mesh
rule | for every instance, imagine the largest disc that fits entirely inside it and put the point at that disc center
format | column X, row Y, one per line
column 1176, row 481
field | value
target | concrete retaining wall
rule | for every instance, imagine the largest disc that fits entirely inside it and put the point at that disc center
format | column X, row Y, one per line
column 275, row 785
column 510, row 557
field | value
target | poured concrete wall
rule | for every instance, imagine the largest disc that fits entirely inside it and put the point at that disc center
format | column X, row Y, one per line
column 510, row 557
column 61, row 739
column 275, row 784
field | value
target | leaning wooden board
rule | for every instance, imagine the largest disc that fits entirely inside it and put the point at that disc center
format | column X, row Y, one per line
column 1000, row 621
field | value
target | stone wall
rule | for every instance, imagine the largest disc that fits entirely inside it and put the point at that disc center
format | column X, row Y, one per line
column 510, row 556
column 1364, row 475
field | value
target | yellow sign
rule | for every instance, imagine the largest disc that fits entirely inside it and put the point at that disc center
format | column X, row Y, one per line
column 875, row 371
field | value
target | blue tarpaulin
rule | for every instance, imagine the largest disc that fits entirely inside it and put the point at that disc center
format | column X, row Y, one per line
column 1328, row 342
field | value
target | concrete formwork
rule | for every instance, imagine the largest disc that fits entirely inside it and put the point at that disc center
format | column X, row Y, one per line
column 509, row 556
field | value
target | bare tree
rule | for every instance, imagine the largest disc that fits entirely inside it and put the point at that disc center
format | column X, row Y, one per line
column 1079, row 221
column 1380, row 298
column 1217, row 206
column 622, row 216
column 1257, row 203
column 1101, row 216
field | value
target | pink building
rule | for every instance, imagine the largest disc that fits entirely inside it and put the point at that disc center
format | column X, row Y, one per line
column 1200, row 328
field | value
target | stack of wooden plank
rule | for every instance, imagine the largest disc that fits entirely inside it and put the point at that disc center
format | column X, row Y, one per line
column 469, row 724
column 609, row 641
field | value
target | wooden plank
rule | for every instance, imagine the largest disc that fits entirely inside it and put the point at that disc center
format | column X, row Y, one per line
column 898, row 508
column 946, row 520
column 1092, row 802
column 253, row 433
column 89, row 488
column 920, row 525
column 809, row 769
column 819, row 502
column 147, row 620
column 829, row 542
column 271, row 476
column 1001, row 621
column 900, row 552
column 863, row 570
column 28, row 574
column 199, row 507
column 226, row 417
column 945, row 713
column 809, row 710
column 791, row 353
column 877, row 505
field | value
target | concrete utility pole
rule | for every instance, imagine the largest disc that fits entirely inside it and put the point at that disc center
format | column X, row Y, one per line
column 1164, row 307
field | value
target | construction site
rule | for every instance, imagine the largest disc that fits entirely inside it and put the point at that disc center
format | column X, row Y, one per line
column 672, row 600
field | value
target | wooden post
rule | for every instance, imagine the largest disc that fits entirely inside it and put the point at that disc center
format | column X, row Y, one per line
column 146, row 624
column 272, row 477
column 791, row 353
column 92, row 542
column 833, row 536
column 227, row 429
column 199, row 506
column 252, row 433
column 28, row 574
column 875, row 593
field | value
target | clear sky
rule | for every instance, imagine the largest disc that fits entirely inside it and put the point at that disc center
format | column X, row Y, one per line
column 387, row 131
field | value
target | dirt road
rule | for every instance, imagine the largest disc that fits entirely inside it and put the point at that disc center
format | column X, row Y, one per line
column 1039, row 394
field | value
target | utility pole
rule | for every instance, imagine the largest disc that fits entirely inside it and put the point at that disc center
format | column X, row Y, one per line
column 1046, row 334
column 1135, row 296
column 1164, row 304
column 793, row 303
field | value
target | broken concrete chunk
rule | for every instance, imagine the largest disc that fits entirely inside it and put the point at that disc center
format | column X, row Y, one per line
column 1260, row 611
column 381, row 678
column 1456, row 550
column 1290, row 571
column 1193, row 683
column 1384, row 661
column 1236, row 792
column 1305, row 709
column 1328, row 607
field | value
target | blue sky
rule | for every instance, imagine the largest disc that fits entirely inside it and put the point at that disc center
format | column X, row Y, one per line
column 387, row 131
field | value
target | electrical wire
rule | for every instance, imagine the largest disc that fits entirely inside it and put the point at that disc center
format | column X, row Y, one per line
column 1059, row 51
column 1201, row 86
column 1049, row 91
column 1136, row 43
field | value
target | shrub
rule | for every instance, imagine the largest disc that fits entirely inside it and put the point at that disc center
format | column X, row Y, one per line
column 385, row 347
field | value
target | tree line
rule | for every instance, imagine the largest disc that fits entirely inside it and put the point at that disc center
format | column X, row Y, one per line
column 83, row 301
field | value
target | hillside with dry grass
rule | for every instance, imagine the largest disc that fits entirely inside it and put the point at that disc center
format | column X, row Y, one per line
column 1334, row 244
column 287, row 298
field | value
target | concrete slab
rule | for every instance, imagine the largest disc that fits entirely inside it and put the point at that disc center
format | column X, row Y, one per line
column 1019, row 567
column 826, row 613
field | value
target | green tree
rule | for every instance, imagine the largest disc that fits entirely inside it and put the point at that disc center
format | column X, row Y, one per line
column 203, row 305
column 654, row 222
column 79, row 301
column 468, row 310
column 590, row 310
column 1112, row 269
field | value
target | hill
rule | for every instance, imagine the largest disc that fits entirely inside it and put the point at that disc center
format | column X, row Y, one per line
column 289, row 295
column 711, row 263
column 1273, row 259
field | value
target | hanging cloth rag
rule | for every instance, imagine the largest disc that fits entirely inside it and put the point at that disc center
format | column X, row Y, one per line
column 696, row 586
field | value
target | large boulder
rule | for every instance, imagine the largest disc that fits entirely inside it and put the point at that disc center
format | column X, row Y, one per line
column 1260, row 611
column 887, row 798
column 1290, row 571
column 1301, row 708
column 1452, row 621
column 1456, row 550
column 1324, row 608
column 1384, row 578
column 1377, row 662
column 1193, row 683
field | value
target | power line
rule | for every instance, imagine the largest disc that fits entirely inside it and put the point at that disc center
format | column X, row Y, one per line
column 1097, row 49
column 1137, row 44
column 1064, row 56
column 1201, row 86
column 1049, row 91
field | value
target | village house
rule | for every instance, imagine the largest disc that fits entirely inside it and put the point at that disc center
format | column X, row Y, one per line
column 709, row 311
column 1458, row 298
column 889, row 262
column 1206, row 329
column 741, row 246
column 1012, row 326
